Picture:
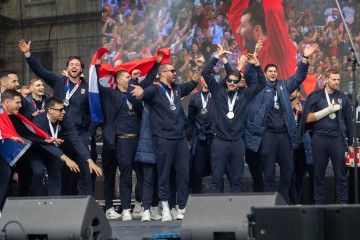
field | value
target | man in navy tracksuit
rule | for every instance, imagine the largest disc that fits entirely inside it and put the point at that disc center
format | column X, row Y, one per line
column 271, row 129
column 37, row 97
column 58, row 124
column 120, row 131
column 10, row 80
column 73, row 90
column 228, row 122
column 168, row 125
column 329, row 115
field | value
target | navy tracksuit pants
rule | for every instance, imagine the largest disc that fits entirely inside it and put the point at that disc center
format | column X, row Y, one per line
column 71, row 180
column 276, row 147
column 254, row 165
column 109, row 166
column 125, row 153
column 227, row 153
column 173, row 153
column 200, row 163
column 5, row 180
column 325, row 147
column 53, row 165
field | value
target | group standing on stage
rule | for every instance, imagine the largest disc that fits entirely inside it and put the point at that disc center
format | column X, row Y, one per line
column 249, row 116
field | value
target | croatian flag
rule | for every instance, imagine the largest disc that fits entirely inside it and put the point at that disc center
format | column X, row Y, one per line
column 105, row 78
column 11, row 151
column 105, row 75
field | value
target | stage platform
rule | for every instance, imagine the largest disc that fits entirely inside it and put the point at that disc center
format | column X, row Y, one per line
column 137, row 230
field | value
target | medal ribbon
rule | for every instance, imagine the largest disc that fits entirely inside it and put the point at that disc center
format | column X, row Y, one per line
column 231, row 103
column 171, row 97
column 68, row 93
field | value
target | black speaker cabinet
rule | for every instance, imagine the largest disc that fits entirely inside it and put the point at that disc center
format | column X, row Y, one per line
column 286, row 222
column 54, row 218
column 222, row 216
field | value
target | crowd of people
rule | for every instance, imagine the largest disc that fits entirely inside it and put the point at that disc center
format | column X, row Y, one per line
column 250, row 106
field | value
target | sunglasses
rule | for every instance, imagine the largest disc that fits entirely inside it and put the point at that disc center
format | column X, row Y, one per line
column 234, row 81
column 58, row 109
column 170, row 70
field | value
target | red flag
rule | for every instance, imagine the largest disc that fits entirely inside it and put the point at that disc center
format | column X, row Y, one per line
column 7, row 129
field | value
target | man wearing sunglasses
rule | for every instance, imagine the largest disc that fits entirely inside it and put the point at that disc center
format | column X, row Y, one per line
column 57, row 123
column 73, row 90
column 271, row 128
column 168, row 125
column 229, row 114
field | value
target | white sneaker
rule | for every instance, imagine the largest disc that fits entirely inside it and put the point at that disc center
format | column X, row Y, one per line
column 146, row 216
column 154, row 213
column 112, row 214
column 126, row 215
column 137, row 211
column 180, row 213
column 174, row 213
column 166, row 216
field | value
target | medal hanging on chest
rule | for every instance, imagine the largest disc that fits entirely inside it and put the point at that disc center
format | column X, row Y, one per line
column 69, row 94
column 169, row 97
column 331, row 115
column 276, row 102
column 231, row 103
column 204, row 102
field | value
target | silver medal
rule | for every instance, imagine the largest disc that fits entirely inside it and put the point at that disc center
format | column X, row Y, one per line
column 131, row 112
column 276, row 106
column 332, row 115
column 204, row 111
column 66, row 102
column 230, row 115
column 172, row 107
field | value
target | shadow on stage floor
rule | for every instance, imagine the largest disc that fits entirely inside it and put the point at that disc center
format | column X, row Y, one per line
column 137, row 230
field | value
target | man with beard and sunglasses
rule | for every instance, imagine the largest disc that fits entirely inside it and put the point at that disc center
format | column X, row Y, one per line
column 73, row 90
column 328, row 114
column 168, row 126
column 228, row 121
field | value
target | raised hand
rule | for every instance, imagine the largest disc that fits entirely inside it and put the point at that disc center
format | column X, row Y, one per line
column 252, row 59
column 23, row 46
column 200, row 62
column 241, row 62
column 308, row 51
column 159, row 57
column 135, row 73
column 221, row 52
column 259, row 45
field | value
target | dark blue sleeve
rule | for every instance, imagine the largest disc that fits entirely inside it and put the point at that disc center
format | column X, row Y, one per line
column 228, row 68
column 27, row 109
column 149, row 93
column 150, row 76
column 251, row 92
column 209, row 79
column 72, row 135
column 49, row 78
column 186, row 88
column 191, row 119
column 250, row 75
column 295, row 81
column 137, row 104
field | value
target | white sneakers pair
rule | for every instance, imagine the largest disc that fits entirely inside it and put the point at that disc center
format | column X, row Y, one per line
column 173, row 214
column 112, row 214
column 151, row 214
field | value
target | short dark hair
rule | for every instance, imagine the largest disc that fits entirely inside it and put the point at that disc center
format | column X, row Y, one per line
column 257, row 16
column 236, row 74
column 5, row 73
column 9, row 94
column 51, row 101
column 269, row 65
column 77, row 58
column 118, row 73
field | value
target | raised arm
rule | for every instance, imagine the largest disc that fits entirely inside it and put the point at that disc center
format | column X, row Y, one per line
column 50, row 78
column 261, row 80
